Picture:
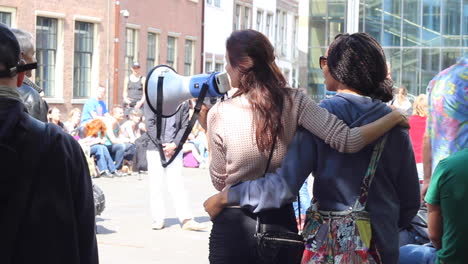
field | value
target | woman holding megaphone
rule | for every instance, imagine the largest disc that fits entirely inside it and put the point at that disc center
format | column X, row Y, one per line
column 249, row 134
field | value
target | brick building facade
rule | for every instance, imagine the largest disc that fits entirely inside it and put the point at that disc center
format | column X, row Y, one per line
column 75, row 42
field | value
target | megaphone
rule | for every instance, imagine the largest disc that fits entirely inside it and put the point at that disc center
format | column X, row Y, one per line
column 166, row 90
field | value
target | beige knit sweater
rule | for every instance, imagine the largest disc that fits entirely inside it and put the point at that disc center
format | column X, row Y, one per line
column 231, row 136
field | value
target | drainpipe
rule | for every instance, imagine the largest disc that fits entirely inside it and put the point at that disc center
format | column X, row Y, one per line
column 115, row 90
column 202, row 42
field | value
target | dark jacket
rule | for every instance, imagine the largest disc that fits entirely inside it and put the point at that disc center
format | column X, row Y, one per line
column 172, row 128
column 35, row 105
column 46, row 198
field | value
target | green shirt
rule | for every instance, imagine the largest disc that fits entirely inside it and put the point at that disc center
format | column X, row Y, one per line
column 449, row 189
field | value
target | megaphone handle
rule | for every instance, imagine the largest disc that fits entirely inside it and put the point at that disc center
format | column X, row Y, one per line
column 188, row 130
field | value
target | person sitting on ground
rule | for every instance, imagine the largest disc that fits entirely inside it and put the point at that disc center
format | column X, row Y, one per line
column 73, row 122
column 53, row 116
column 94, row 140
column 446, row 201
column 119, row 148
column 133, row 128
column 95, row 107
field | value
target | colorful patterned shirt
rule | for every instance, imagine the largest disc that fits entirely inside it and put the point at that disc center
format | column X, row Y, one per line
column 447, row 122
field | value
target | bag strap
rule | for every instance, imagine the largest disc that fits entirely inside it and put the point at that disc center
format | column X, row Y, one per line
column 370, row 173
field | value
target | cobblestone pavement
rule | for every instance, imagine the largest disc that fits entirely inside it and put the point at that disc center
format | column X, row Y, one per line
column 124, row 228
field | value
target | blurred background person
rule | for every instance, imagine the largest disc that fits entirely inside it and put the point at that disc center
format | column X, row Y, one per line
column 94, row 140
column 401, row 101
column 417, row 129
column 73, row 122
column 133, row 88
column 53, row 116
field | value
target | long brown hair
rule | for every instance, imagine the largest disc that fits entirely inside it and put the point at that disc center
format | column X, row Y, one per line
column 262, row 82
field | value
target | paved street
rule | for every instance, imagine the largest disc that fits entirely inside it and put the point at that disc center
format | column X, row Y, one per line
column 124, row 228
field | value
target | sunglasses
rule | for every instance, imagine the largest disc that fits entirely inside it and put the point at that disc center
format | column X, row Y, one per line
column 322, row 61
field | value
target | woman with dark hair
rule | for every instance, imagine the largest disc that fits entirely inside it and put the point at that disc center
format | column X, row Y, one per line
column 261, row 118
column 53, row 116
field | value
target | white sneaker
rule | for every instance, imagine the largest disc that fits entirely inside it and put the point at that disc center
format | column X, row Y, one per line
column 157, row 225
column 192, row 225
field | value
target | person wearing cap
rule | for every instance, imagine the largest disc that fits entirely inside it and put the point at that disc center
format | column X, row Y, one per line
column 134, row 84
column 30, row 92
column 46, row 201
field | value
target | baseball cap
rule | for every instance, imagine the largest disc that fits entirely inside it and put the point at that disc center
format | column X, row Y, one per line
column 136, row 64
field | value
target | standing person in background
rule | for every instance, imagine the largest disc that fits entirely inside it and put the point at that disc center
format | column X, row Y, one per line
column 73, row 122
column 133, row 88
column 29, row 91
column 447, row 122
column 401, row 101
column 47, row 207
column 53, row 116
column 417, row 129
column 170, row 177
column 95, row 107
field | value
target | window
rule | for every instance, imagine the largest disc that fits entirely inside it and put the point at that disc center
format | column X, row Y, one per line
column 277, row 28
column 46, row 51
column 209, row 2
column 131, row 55
column 219, row 67
column 283, row 33
column 171, row 52
column 246, row 18
column 188, row 60
column 152, row 50
column 84, row 40
column 217, row 3
column 259, row 24
column 208, row 66
column 5, row 18
column 237, row 18
column 294, row 39
column 269, row 20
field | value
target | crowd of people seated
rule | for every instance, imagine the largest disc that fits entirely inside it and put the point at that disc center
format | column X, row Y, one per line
column 112, row 140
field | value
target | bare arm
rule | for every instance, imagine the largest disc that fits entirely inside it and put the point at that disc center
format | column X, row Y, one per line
column 110, row 132
column 125, row 91
column 435, row 225
column 427, row 163
column 140, row 103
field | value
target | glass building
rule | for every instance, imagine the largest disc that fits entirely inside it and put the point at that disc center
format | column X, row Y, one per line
column 420, row 37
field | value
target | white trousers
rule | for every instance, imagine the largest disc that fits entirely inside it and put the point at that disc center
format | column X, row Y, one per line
column 161, row 178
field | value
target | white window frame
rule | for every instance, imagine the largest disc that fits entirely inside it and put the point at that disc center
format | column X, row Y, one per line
column 12, row 12
column 59, row 60
column 176, row 48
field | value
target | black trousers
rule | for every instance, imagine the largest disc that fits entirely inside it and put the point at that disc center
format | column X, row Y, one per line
column 232, row 237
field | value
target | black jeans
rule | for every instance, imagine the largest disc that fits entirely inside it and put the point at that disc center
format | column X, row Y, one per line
column 232, row 237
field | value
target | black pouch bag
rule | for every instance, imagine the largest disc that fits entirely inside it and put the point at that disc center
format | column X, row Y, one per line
column 274, row 240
